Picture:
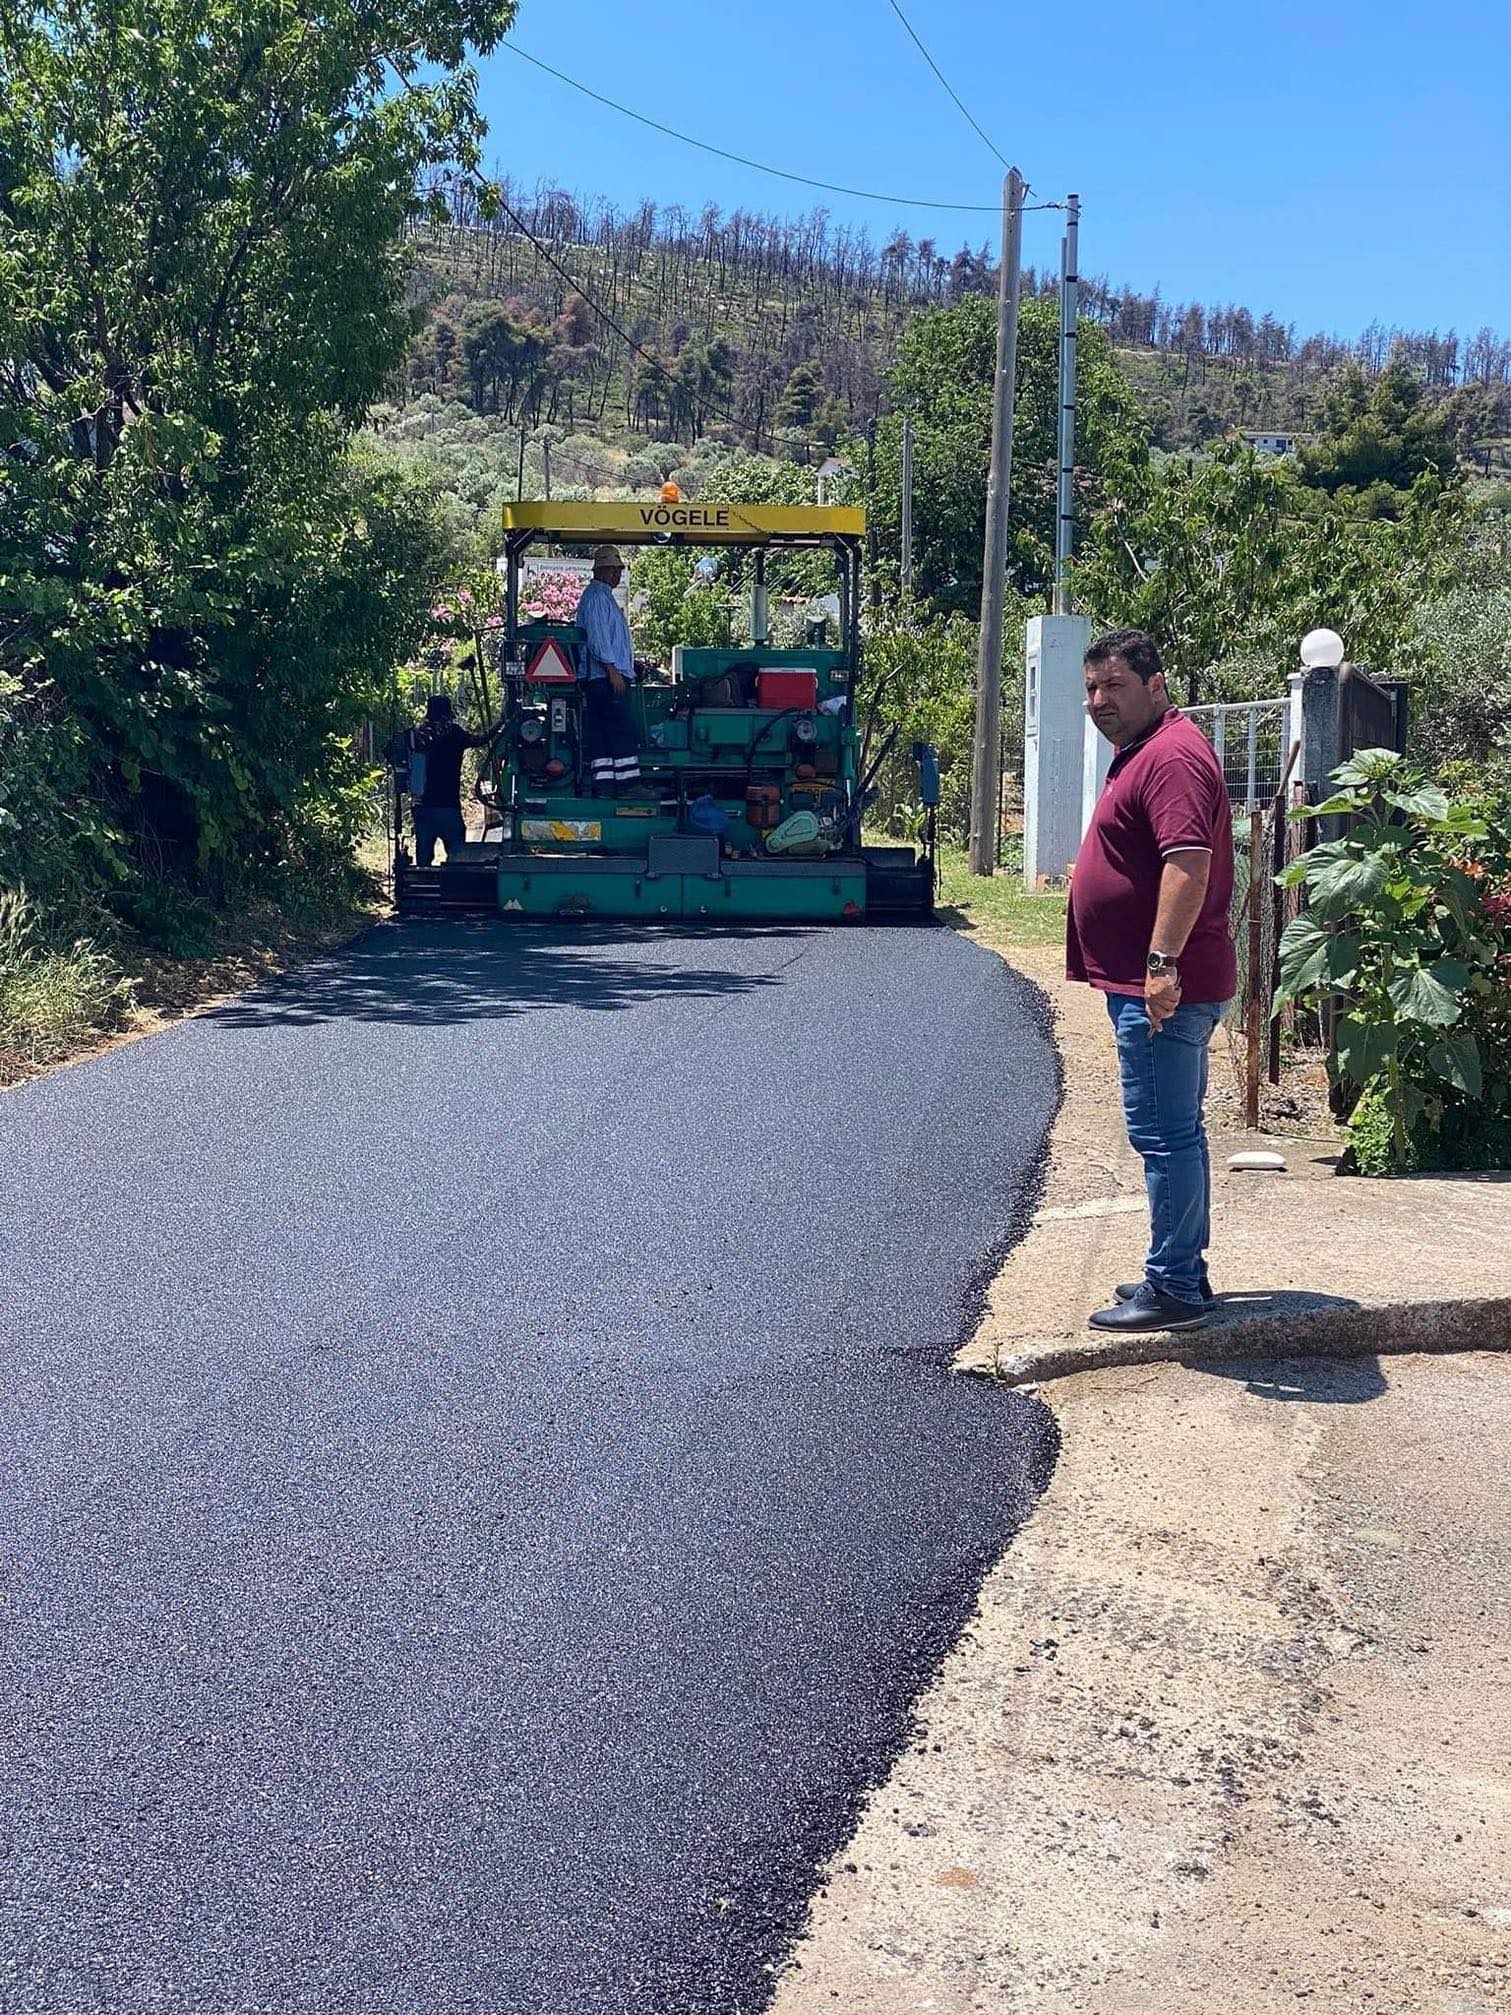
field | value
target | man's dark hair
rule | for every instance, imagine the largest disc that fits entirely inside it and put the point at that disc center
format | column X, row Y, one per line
column 438, row 707
column 1138, row 651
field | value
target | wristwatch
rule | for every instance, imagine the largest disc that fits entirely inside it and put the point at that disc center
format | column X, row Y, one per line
column 1162, row 962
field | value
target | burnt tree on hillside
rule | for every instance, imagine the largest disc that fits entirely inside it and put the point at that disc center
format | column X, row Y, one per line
column 781, row 295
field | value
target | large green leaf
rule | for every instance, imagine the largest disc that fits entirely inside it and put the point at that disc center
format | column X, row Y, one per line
column 1362, row 1048
column 1344, row 950
column 1419, row 801
column 1465, row 823
column 1457, row 1058
column 1430, row 994
column 1370, row 835
column 1414, row 1102
column 1303, row 955
column 1338, row 886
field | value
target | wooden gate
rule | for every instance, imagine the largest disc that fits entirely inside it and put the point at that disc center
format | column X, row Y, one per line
column 1371, row 713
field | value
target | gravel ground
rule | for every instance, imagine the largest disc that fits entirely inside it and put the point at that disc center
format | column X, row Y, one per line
column 488, row 1485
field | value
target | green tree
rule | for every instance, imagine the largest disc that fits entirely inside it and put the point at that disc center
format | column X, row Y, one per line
column 944, row 375
column 675, row 602
column 1462, row 669
column 802, row 398
column 203, row 286
column 1377, row 440
column 920, row 686
column 496, row 350
column 1227, row 556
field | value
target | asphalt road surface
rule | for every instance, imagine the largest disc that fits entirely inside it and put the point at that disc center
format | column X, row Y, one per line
column 484, row 1486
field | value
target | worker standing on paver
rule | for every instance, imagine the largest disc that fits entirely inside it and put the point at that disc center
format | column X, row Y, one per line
column 1147, row 924
column 611, row 742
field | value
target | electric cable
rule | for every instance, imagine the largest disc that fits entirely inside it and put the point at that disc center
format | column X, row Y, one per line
column 744, row 160
column 727, row 413
column 649, row 357
column 918, row 44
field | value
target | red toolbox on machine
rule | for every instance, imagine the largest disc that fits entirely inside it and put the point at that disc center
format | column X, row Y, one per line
column 787, row 689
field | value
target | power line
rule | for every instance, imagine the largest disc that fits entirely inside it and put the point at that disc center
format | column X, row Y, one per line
column 649, row 356
column 727, row 413
column 913, row 32
column 743, row 160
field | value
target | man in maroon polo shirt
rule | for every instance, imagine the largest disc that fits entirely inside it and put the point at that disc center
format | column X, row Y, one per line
column 1148, row 925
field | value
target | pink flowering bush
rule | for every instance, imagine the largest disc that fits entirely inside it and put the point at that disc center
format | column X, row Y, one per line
column 551, row 598
column 457, row 612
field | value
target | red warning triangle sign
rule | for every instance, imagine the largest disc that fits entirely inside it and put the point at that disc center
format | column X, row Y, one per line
column 551, row 666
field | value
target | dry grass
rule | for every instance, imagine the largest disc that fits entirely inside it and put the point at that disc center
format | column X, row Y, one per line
column 57, row 1005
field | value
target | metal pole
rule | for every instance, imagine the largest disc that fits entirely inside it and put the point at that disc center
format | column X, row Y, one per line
column 1297, row 683
column 1001, row 800
column 1065, row 522
column 1255, row 983
column 907, row 503
column 545, row 454
column 983, row 841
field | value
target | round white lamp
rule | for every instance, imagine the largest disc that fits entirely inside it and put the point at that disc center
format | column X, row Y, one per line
column 1322, row 650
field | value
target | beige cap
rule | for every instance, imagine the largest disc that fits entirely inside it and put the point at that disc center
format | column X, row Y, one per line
column 607, row 556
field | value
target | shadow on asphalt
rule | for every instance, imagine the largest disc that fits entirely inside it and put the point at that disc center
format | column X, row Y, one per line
column 1316, row 1381
column 436, row 974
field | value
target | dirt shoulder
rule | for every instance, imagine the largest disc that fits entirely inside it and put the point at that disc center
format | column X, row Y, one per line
column 1231, row 1728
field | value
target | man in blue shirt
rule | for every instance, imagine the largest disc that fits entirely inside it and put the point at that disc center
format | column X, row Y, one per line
column 608, row 670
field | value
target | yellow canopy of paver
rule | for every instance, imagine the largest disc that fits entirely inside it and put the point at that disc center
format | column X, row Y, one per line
column 685, row 524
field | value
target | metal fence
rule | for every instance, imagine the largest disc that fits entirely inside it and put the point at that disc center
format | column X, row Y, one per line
column 1258, row 743
column 1252, row 739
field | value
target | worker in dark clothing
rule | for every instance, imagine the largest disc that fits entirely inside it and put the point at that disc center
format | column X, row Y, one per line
column 436, row 778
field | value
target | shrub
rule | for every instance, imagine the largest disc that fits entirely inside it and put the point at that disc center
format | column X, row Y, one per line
column 51, row 996
column 1406, row 944
column 1465, row 1137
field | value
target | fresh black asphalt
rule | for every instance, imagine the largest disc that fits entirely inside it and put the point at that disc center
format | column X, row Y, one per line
column 484, row 1486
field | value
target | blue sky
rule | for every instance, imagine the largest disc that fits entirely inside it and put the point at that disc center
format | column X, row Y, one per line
column 1335, row 163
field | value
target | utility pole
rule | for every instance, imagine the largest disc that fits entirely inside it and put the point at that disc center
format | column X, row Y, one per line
column 986, row 759
column 545, row 454
column 907, row 504
column 1065, row 522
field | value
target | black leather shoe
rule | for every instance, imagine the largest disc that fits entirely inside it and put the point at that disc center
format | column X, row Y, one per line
column 1147, row 1309
column 1130, row 1288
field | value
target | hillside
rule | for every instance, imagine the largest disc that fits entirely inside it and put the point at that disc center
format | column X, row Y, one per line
column 629, row 341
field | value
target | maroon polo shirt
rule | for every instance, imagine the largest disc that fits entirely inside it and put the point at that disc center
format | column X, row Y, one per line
column 1163, row 793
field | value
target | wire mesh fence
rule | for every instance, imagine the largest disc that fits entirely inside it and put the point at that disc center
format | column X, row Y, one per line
column 1274, row 1061
column 1251, row 738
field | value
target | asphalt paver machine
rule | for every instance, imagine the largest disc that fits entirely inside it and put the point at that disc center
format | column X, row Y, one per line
column 752, row 789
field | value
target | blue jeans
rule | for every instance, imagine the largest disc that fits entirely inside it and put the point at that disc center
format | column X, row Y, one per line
column 1164, row 1083
column 437, row 822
